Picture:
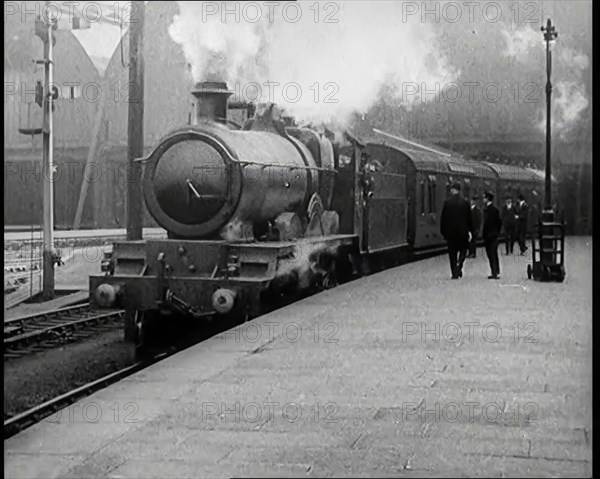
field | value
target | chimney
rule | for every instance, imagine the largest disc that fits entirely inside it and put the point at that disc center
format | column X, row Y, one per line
column 211, row 101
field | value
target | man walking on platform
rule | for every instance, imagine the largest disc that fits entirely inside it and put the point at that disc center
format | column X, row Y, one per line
column 509, row 223
column 523, row 216
column 456, row 226
column 477, row 218
column 491, row 230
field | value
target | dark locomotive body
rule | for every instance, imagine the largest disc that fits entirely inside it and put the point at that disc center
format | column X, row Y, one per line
column 262, row 212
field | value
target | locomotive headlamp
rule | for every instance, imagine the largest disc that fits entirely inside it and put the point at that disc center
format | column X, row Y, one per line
column 223, row 300
column 106, row 295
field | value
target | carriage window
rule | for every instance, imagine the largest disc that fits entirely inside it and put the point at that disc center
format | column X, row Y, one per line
column 486, row 187
column 431, row 190
column 422, row 197
column 467, row 188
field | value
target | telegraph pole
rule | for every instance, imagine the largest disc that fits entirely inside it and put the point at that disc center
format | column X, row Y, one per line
column 135, row 121
column 550, row 34
column 44, row 29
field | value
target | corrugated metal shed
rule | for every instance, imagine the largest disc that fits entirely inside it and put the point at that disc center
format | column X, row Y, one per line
column 78, row 82
column 74, row 74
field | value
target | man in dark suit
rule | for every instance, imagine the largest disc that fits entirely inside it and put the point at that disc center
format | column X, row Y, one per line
column 492, row 224
column 477, row 219
column 509, row 223
column 523, row 214
column 456, row 226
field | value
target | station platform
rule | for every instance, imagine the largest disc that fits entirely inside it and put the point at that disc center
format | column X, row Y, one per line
column 403, row 373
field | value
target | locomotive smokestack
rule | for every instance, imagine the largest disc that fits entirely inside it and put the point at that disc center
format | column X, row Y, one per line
column 211, row 101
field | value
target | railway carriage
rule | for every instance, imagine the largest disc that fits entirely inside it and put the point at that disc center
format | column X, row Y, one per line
column 426, row 176
column 514, row 181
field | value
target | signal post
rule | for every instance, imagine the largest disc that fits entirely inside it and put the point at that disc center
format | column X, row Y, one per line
column 44, row 29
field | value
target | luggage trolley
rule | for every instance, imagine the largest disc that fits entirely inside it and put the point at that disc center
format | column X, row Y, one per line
column 548, row 256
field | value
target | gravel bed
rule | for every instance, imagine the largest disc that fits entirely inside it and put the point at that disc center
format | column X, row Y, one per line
column 39, row 377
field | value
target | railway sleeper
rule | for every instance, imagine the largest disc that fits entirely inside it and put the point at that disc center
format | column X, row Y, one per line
column 38, row 335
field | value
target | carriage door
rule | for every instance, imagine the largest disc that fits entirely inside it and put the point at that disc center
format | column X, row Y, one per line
column 387, row 211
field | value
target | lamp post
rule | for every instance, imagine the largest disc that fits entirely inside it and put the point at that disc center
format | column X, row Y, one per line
column 550, row 34
column 551, row 234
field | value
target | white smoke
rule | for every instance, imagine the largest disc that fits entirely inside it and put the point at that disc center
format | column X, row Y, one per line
column 568, row 102
column 305, row 261
column 521, row 43
column 234, row 231
column 569, row 98
column 214, row 49
column 321, row 71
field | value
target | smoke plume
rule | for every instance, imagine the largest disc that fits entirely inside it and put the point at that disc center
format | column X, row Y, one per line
column 306, row 262
column 321, row 72
column 520, row 43
column 569, row 98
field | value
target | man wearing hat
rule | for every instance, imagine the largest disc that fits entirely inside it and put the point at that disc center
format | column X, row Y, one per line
column 523, row 217
column 477, row 218
column 456, row 226
column 492, row 224
column 509, row 222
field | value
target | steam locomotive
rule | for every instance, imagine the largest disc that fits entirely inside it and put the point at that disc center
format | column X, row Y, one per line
column 267, row 210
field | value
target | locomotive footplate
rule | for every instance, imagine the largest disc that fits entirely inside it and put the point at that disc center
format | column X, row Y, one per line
column 140, row 293
column 203, row 278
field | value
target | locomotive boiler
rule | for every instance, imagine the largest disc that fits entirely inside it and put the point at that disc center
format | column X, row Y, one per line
column 208, row 180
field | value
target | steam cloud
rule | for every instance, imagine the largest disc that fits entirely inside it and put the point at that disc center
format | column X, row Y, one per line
column 305, row 262
column 569, row 99
column 520, row 43
column 340, row 67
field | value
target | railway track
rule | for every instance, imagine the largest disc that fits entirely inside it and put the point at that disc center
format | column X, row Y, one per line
column 40, row 331
column 17, row 423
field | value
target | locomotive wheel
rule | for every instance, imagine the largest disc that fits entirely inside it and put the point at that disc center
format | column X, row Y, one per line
column 153, row 333
column 344, row 268
column 329, row 280
column 131, row 333
column 235, row 317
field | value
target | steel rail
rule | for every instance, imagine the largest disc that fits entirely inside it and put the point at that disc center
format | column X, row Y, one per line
column 23, row 420
column 37, row 329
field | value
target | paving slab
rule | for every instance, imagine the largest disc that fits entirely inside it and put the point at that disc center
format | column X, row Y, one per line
column 404, row 373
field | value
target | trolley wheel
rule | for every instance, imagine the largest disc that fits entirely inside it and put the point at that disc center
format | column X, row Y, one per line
column 529, row 272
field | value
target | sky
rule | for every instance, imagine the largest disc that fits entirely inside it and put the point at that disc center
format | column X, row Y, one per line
column 102, row 38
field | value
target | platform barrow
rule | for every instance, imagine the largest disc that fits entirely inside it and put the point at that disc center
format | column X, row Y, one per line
column 548, row 254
